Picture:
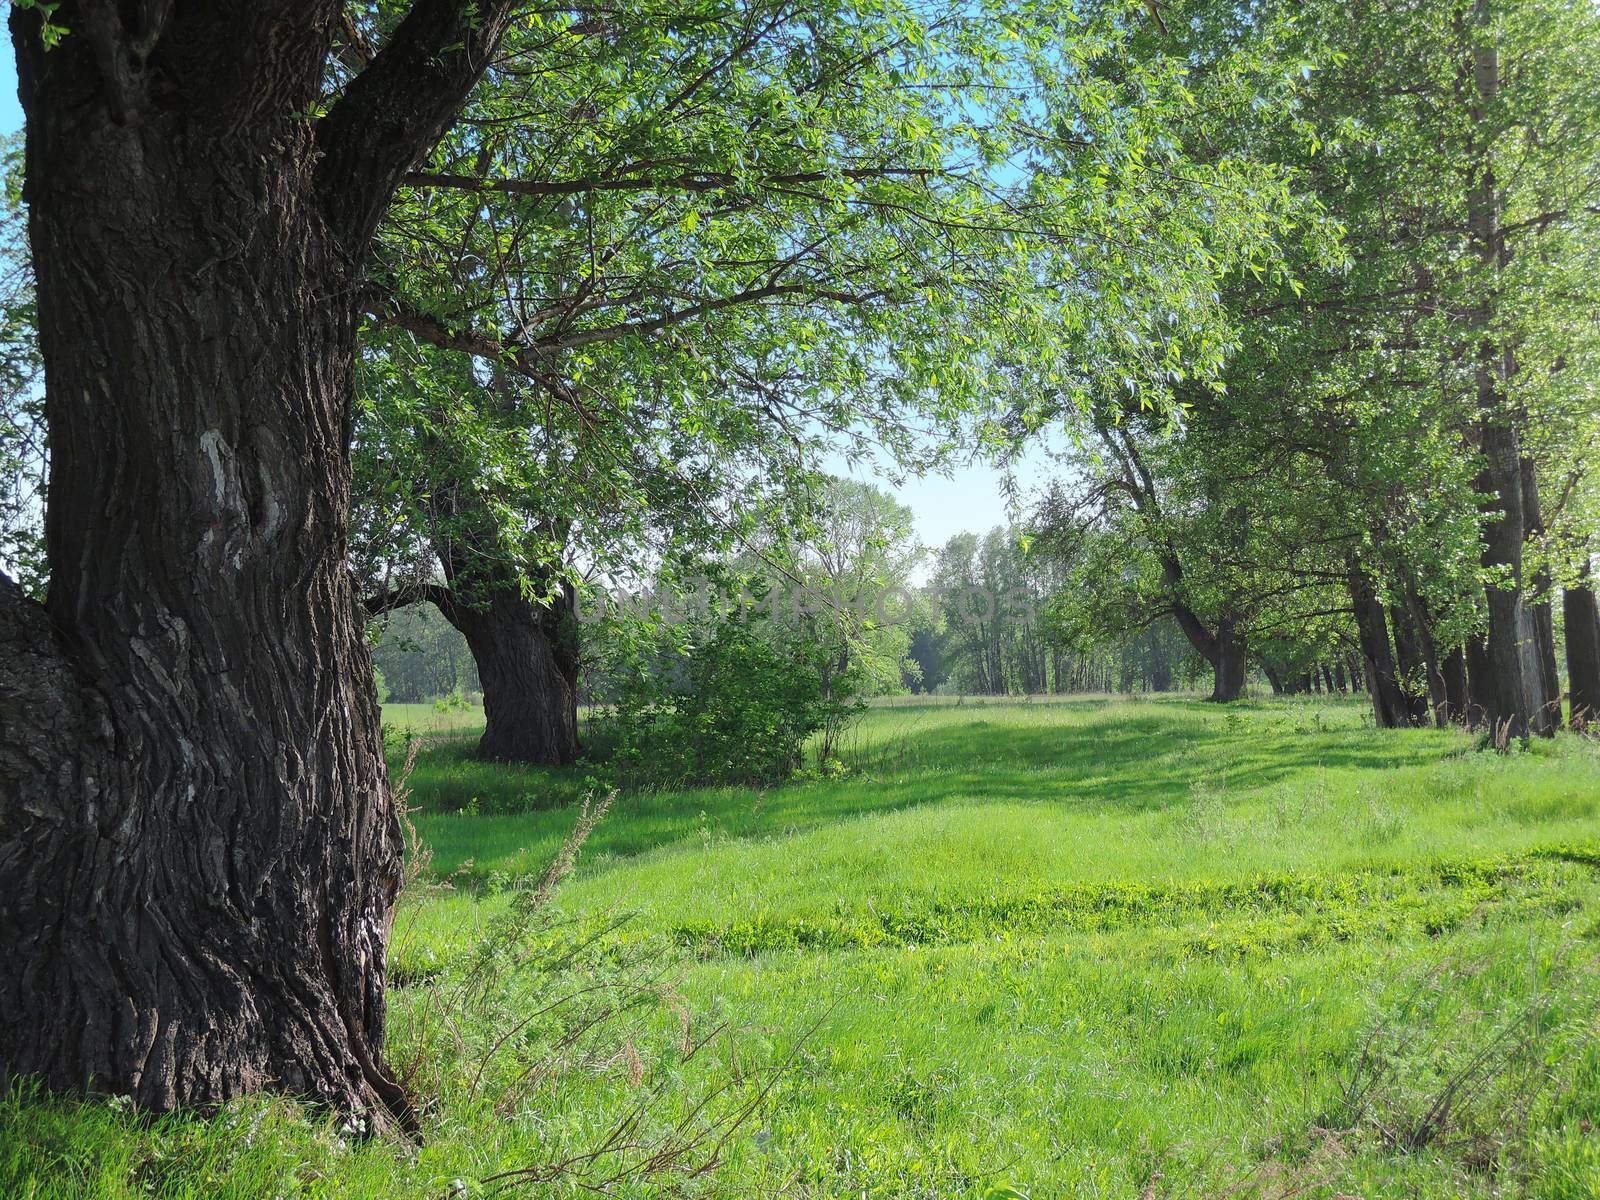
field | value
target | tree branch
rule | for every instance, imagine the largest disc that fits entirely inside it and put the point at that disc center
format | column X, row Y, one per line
column 692, row 181
column 437, row 594
column 397, row 108
column 526, row 356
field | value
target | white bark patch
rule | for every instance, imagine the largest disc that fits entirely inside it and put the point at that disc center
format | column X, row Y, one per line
column 228, row 499
column 212, row 445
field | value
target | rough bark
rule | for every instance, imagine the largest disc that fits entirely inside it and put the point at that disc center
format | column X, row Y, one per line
column 1582, row 618
column 1541, row 611
column 1453, row 671
column 527, row 659
column 198, row 849
column 1389, row 707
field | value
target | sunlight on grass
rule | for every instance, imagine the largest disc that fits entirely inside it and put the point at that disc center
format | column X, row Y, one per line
column 1083, row 947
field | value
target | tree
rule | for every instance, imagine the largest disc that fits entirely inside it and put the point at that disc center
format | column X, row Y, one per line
column 198, row 849
column 421, row 656
column 1393, row 414
column 778, row 231
column 855, row 583
column 1461, row 153
column 741, row 240
column 990, row 594
column 489, row 562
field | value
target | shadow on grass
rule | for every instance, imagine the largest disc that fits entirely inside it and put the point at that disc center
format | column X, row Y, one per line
column 1093, row 755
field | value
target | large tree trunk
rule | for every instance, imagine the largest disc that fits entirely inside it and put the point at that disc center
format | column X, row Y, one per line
column 1582, row 619
column 1224, row 650
column 1229, row 664
column 527, row 658
column 198, row 886
column 198, row 848
column 1389, row 707
column 1453, row 670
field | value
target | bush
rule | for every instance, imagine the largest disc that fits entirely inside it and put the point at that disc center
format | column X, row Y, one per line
column 736, row 705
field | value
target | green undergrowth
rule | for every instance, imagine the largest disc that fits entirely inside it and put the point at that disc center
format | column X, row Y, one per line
column 1263, row 915
column 1090, row 948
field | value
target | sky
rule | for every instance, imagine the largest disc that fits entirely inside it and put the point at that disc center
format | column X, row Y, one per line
column 971, row 498
column 10, row 110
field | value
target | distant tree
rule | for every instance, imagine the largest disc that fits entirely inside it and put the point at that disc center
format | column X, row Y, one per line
column 421, row 656
column 856, row 579
column 992, row 597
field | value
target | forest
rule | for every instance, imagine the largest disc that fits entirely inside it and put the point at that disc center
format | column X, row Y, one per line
column 882, row 598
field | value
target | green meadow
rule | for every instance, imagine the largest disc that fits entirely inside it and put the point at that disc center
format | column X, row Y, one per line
column 1050, row 948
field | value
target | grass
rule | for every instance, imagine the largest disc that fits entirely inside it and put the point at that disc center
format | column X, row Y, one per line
column 1086, row 947
column 433, row 720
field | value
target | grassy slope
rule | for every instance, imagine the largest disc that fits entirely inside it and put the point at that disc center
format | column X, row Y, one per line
column 1072, row 947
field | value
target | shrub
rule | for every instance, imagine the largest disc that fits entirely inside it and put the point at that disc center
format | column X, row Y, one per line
column 736, row 705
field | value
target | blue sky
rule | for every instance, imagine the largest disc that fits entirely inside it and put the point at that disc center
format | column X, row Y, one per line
column 971, row 497
column 10, row 110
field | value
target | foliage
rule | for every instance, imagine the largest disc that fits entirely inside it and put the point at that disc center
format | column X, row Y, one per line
column 850, row 586
column 690, row 251
column 1345, row 433
column 739, row 702
column 1000, row 603
column 23, row 457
